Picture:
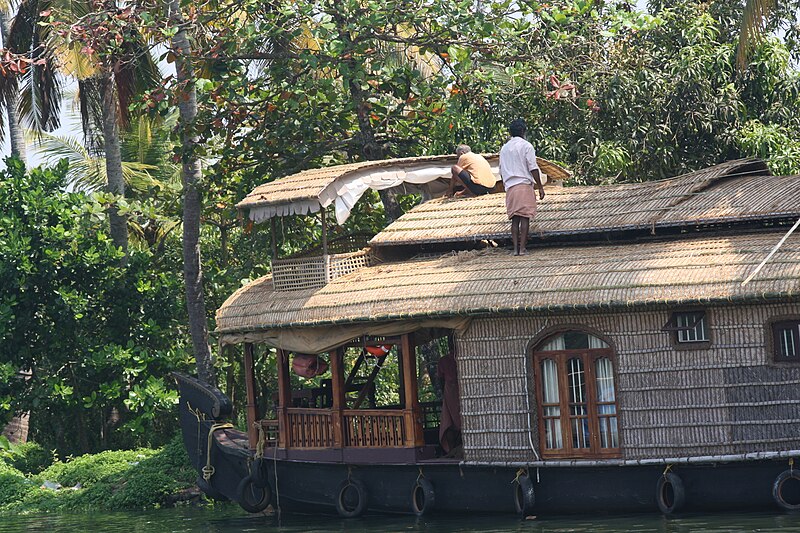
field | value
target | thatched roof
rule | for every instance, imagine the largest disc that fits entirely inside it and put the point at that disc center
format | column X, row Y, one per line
column 733, row 191
column 701, row 269
column 305, row 192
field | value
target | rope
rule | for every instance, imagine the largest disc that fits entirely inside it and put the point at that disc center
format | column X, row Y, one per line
column 791, row 464
column 209, row 469
column 667, row 470
column 420, row 476
column 200, row 416
column 262, row 439
column 275, row 469
column 521, row 472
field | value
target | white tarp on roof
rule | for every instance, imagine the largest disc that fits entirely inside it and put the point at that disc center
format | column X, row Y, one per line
column 346, row 190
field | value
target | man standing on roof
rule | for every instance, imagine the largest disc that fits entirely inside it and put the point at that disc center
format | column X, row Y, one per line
column 472, row 172
column 520, row 174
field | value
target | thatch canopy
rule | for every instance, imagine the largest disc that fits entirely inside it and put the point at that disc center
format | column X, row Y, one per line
column 733, row 191
column 701, row 269
column 343, row 185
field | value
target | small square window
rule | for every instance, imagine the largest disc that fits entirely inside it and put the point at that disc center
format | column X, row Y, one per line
column 786, row 340
column 689, row 329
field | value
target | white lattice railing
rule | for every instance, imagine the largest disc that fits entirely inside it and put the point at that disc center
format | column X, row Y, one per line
column 315, row 271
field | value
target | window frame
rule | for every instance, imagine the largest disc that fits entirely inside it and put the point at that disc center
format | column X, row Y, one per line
column 672, row 327
column 774, row 342
column 589, row 357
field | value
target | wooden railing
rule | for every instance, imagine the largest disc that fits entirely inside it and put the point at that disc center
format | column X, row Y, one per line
column 374, row 428
column 362, row 428
column 309, row 428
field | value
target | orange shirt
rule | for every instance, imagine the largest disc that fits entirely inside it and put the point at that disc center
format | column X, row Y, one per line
column 479, row 169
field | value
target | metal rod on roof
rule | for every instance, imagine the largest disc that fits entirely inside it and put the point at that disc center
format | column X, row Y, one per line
column 777, row 246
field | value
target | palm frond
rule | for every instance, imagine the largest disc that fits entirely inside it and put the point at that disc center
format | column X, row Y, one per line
column 87, row 172
column 754, row 19
column 40, row 87
column 91, row 113
column 135, row 73
column 76, row 63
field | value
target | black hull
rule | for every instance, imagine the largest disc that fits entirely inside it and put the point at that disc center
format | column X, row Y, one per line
column 450, row 487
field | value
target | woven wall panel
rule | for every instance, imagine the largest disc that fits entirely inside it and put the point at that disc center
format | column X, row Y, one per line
column 729, row 398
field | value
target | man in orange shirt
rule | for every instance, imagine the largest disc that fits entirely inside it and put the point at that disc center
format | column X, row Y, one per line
column 472, row 173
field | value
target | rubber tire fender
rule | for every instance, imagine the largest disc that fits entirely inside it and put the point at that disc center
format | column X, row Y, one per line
column 259, row 472
column 524, row 496
column 777, row 489
column 423, row 497
column 249, row 498
column 669, row 504
column 342, row 507
column 210, row 491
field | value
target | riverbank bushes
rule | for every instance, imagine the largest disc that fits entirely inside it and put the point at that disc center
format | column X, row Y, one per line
column 110, row 480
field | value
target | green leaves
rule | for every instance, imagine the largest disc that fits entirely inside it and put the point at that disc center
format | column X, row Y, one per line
column 88, row 330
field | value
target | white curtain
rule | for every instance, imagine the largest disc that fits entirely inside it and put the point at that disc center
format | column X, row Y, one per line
column 550, row 396
column 595, row 343
column 609, row 434
column 556, row 343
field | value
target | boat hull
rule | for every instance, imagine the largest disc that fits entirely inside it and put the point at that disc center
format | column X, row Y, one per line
column 448, row 486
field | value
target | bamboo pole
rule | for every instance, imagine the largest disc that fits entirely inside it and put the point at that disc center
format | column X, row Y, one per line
column 325, row 259
column 777, row 246
column 250, row 384
column 273, row 230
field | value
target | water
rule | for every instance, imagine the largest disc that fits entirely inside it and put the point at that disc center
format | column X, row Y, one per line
column 229, row 519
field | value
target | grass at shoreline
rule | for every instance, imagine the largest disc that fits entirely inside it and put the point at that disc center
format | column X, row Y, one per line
column 106, row 481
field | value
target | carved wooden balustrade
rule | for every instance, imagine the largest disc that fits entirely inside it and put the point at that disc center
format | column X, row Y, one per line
column 375, row 428
column 310, row 428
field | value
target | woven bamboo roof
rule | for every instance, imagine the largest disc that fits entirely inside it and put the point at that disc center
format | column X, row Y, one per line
column 701, row 269
column 304, row 192
column 733, row 191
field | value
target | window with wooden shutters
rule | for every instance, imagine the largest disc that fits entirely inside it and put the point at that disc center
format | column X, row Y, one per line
column 576, row 394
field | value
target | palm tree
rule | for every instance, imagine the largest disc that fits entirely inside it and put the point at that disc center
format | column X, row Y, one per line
column 191, row 174
column 107, row 84
column 16, row 137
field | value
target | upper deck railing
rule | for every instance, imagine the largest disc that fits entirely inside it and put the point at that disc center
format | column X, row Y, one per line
column 312, row 272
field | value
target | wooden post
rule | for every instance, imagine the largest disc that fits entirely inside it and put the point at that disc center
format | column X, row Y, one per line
column 250, row 384
column 325, row 260
column 411, row 410
column 338, row 392
column 273, row 227
column 284, row 398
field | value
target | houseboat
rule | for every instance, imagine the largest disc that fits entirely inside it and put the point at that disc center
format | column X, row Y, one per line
column 631, row 362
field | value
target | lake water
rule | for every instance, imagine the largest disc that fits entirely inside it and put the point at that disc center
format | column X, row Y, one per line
column 230, row 519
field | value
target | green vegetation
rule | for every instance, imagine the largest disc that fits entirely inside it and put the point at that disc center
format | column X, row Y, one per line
column 111, row 480
column 90, row 327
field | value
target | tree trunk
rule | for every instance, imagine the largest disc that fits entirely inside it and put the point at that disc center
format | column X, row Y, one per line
column 191, row 174
column 16, row 135
column 115, row 182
